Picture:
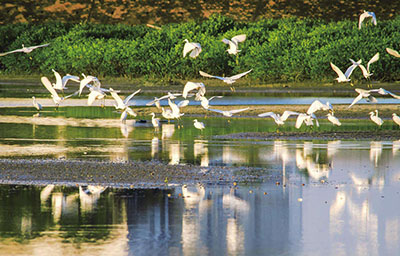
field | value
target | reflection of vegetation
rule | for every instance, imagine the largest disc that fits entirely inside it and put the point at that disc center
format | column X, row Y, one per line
column 277, row 50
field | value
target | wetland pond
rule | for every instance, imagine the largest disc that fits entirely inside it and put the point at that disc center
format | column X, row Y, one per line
column 306, row 197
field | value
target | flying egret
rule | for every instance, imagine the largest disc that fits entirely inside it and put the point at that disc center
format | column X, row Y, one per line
column 333, row 119
column 233, row 43
column 167, row 114
column 87, row 80
column 176, row 112
column 229, row 113
column 375, row 118
column 198, row 125
column 393, row 52
column 346, row 76
column 62, row 82
column 318, row 105
column 124, row 114
column 36, row 104
column 364, row 94
column 195, row 49
column 366, row 72
column 24, row 49
column 396, row 118
column 307, row 119
column 122, row 104
column 205, row 103
column 156, row 100
column 189, row 86
column 228, row 80
column 279, row 120
column 382, row 91
column 155, row 121
column 364, row 15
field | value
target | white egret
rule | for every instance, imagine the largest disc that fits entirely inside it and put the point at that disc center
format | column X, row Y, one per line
column 205, row 103
column 228, row 80
column 62, row 82
column 364, row 94
column 189, row 86
column 366, row 72
column 346, row 76
column 155, row 121
column 375, row 118
column 36, row 104
column 195, row 49
column 156, row 100
column 229, row 113
column 279, row 120
column 183, row 103
column 233, row 43
column 167, row 114
column 393, row 52
column 124, row 114
column 87, row 80
column 364, row 15
column 396, row 118
column 198, row 125
column 176, row 112
column 122, row 104
column 318, row 105
column 307, row 119
column 24, row 49
column 333, row 119
column 56, row 99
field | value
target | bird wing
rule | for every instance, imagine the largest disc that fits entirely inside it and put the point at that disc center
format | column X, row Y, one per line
column 238, row 110
column 152, row 102
column 372, row 60
column 239, row 38
column 71, row 95
column 393, row 52
column 338, row 71
column 127, row 99
column 188, row 87
column 37, row 46
column 372, row 99
column 356, row 99
column 393, row 95
column 92, row 97
column 240, row 75
column 267, row 114
column 315, row 106
column 49, row 87
column 226, row 41
column 288, row 113
column 84, row 82
column 216, row 110
column 68, row 77
column 219, row 97
column 361, row 19
column 116, row 97
column 196, row 51
column 300, row 119
column 183, row 103
column 174, row 107
column 5, row 53
column 365, row 72
column 187, row 48
column 350, row 70
column 58, row 79
column 373, row 17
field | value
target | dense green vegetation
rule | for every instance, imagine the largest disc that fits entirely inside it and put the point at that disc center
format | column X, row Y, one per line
column 278, row 50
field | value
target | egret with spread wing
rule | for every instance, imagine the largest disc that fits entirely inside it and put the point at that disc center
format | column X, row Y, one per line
column 189, row 86
column 25, row 49
column 62, row 82
column 279, row 120
column 229, row 113
column 234, row 43
column 393, row 52
column 193, row 48
column 364, row 94
column 228, row 80
column 346, row 76
column 365, row 15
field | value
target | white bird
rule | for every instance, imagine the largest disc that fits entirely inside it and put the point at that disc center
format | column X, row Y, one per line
column 279, row 120
column 346, row 76
column 36, row 104
column 124, row 114
column 375, row 118
column 167, row 114
column 396, row 118
column 364, row 94
column 176, row 112
column 189, row 86
column 382, row 91
column 195, row 49
column 155, row 121
column 87, row 80
column 333, row 119
column 307, row 119
column 25, row 49
column 364, row 15
column 318, row 105
column 393, row 52
column 228, row 113
column 183, row 103
column 228, row 80
column 205, row 103
column 156, row 100
column 62, row 82
column 366, row 72
column 122, row 104
column 198, row 125
column 233, row 43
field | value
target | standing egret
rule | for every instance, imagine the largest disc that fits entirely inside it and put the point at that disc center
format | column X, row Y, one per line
column 62, row 82
column 195, row 49
column 193, row 86
column 198, row 125
column 24, row 49
column 396, row 118
column 233, row 43
column 36, row 104
column 346, row 76
column 229, row 113
column 375, row 118
column 364, row 15
column 333, row 119
column 364, row 94
column 393, row 52
column 155, row 121
column 205, row 103
column 279, row 120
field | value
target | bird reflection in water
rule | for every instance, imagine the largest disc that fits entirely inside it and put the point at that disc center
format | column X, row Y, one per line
column 375, row 152
column 200, row 149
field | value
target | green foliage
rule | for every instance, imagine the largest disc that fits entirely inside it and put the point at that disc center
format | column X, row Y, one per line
column 278, row 50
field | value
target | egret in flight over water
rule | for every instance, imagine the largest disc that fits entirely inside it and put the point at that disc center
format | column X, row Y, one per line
column 234, row 43
column 346, row 76
column 62, row 82
column 229, row 113
column 24, row 49
column 279, row 119
column 366, row 72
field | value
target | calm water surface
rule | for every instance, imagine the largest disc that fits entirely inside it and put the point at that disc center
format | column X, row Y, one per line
column 332, row 197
